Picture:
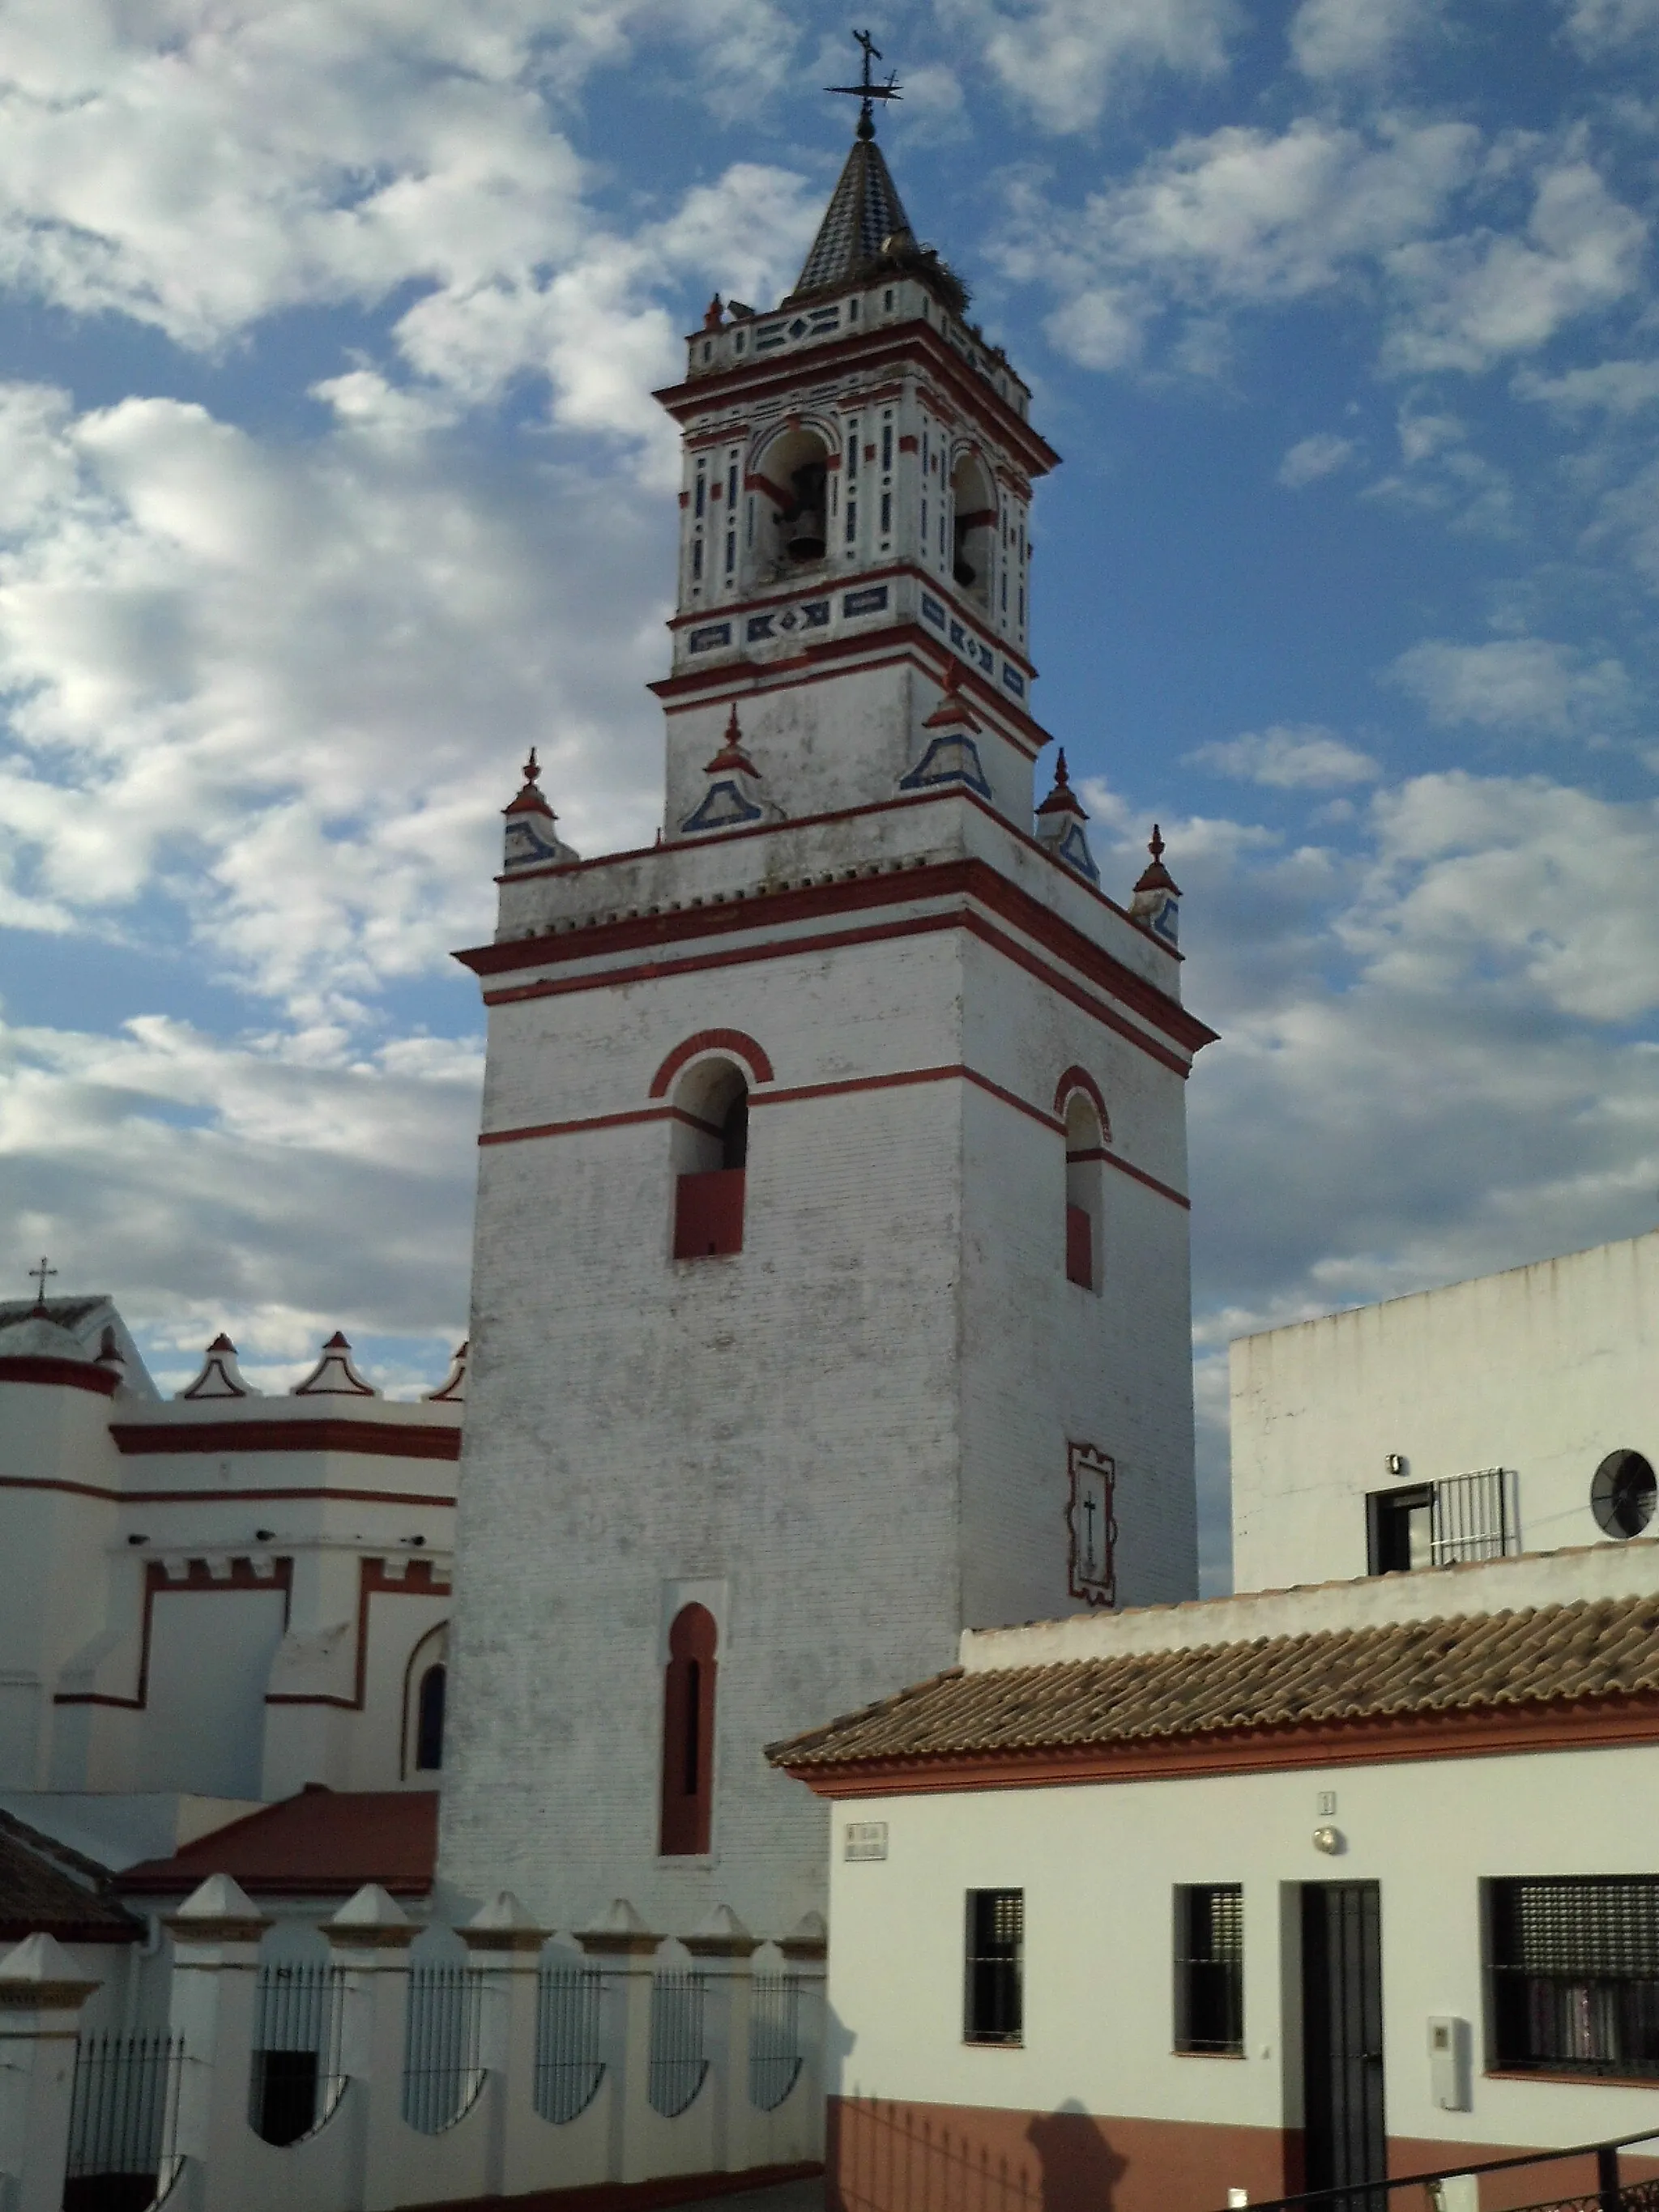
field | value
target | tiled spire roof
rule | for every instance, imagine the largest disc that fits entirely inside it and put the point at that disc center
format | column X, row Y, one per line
column 863, row 208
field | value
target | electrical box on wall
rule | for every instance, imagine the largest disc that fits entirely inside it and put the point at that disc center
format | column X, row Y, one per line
column 1448, row 2063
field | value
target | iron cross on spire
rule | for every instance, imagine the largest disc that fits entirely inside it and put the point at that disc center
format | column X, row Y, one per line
column 867, row 90
column 38, row 1276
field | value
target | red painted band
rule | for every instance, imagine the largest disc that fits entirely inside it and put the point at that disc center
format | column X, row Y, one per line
column 369, row 1439
column 59, row 1374
column 198, row 1496
column 807, row 901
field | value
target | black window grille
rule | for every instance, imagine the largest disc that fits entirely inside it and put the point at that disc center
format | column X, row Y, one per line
column 124, row 2108
column 1209, row 1969
column 295, row 2080
column 1435, row 1524
column 1575, row 1975
column 678, row 2060
column 776, row 2053
column 994, row 2009
column 569, row 2067
column 442, row 2072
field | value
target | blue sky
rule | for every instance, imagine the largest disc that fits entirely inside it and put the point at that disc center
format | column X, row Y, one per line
column 330, row 480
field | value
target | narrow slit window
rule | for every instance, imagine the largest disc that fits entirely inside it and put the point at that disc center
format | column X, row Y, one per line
column 687, row 1735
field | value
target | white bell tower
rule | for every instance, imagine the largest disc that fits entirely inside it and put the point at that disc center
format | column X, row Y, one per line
column 830, row 1288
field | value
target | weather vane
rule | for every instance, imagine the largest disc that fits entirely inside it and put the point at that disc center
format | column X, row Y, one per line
column 868, row 90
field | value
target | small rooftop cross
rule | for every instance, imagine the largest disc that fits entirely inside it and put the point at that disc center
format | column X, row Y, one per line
column 38, row 1276
column 867, row 89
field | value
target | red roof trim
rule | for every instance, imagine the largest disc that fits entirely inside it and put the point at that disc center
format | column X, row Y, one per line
column 1386, row 1739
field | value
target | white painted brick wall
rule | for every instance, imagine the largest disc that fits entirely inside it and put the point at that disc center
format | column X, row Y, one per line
column 858, row 1425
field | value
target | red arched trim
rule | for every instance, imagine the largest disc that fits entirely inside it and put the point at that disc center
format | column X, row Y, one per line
column 732, row 1040
column 1078, row 1078
column 688, row 1734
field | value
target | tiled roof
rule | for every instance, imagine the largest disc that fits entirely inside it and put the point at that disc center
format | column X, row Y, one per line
column 45, row 1885
column 324, row 1843
column 863, row 208
column 1465, row 1665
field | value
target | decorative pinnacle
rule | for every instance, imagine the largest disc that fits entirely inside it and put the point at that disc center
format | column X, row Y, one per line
column 867, row 90
column 1060, row 781
column 533, row 771
column 1155, row 842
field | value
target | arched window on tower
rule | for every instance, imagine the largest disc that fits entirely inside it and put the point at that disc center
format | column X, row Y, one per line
column 426, row 1683
column 687, row 1735
column 791, row 529
column 1085, row 1149
column 974, row 503
column 711, row 1155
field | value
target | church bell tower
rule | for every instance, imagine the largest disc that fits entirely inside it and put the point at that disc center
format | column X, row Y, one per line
column 831, row 1286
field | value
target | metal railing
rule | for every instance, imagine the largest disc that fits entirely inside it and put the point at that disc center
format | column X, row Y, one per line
column 1470, row 1518
column 569, row 2067
column 295, row 2081
column 775, row 2055
column 441, row 2070
column 678, row 2061
column 1610, row 2194
column 124, row 2110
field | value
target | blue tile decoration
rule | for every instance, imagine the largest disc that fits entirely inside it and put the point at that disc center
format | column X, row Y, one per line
column 1073, row 850
column 710, row 636
column 758, row 626
column 931, row 612
column 952, row 758
column 1012, row 680
column 723, row 806
column 870, row 601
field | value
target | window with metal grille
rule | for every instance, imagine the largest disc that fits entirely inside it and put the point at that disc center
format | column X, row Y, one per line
column 1432, row 1524
column 1209, row 1968
column 1574, row 1974
column 994, row 2007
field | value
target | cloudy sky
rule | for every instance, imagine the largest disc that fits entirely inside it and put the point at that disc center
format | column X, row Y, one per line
column 329, row 480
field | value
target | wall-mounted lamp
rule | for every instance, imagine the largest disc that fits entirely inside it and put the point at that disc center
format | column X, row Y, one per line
column 417, row 1542
column 265, row 1535
column 1397, row 1463
column 137, row 1539
column 1329, row 1840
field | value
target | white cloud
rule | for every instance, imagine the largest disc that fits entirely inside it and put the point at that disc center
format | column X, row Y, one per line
column 1352, row 38
column 285, row 688
column 1601, row 27
column 1538, row 888
column 1470, row 300
column 1527, row 684
column 1309, row 458
column 1613, row 387
column 1244, row 217
column 201, row 168
column 1305, row 758
column 1064, row 59
column 278, row 1189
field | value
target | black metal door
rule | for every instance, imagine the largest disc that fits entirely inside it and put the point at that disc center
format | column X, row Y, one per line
column 1347, row 2140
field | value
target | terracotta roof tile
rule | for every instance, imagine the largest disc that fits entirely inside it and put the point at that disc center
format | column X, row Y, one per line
column 44, row 1885
column 324, row 1843
column 1559, row 1654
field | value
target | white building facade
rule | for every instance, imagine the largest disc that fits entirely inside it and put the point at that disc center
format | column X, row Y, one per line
column 830, row 1282
column 222, row 1596
column 1515, row 1412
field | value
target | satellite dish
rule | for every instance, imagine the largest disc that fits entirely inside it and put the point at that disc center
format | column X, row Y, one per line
column 1622, row 1494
